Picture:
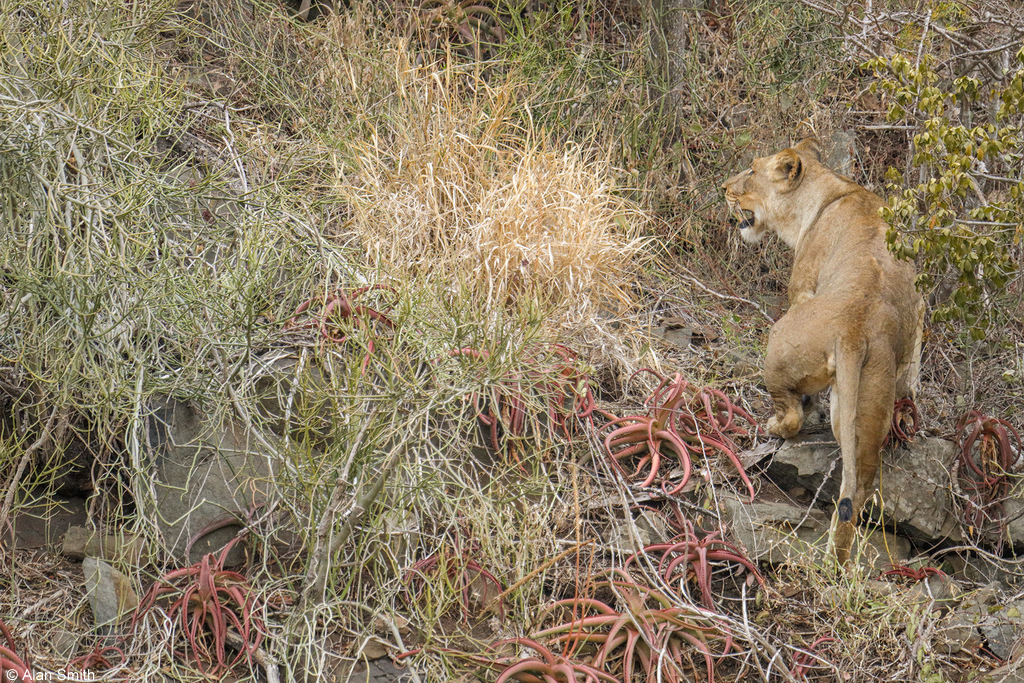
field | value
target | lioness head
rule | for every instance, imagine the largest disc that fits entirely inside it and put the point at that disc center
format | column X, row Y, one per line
column 761, row 195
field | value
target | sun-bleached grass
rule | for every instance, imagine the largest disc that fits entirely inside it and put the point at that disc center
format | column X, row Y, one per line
column 452, row 186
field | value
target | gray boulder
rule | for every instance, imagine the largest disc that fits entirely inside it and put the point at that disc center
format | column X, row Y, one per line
column 209, row 476
column 914, row 482
column 779, row 532
column 109, row 592
column 993, row 621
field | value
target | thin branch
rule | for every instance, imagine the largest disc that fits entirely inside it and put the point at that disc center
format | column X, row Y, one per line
column 26, row 458
column 319, row 563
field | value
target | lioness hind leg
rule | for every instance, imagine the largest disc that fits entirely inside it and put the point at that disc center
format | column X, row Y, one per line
column 908, row 371
column 842, row 538
column 873, row 419
column 794, row 367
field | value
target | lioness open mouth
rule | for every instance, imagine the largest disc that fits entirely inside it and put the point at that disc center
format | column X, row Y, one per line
column 746, row 219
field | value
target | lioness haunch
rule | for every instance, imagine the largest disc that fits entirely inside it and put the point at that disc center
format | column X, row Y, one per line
column 854, row 321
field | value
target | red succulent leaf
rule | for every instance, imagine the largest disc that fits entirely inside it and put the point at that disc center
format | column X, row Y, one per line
column 919, row 574
column 682, row 420
column 802, row 660
column 459, row 568
column 988, row 449
column 548, row 373
column 205, row 601
column 14, row 667
column 97, row 658
column 338, row 309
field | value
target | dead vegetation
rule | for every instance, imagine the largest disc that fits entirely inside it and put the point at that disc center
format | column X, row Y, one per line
column 402, row 267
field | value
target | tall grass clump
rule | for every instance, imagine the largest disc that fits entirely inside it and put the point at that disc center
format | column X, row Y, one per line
column 452, row 185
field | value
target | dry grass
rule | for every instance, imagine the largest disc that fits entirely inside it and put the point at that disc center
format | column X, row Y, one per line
column 454, row 188
column 330, row 155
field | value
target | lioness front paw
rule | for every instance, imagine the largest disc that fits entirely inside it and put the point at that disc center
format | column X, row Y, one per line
column 785, row 428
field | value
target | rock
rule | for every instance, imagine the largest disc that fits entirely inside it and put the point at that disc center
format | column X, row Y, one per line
column 913, row 485
column 675, row 331
column 775, row 304
column 619, row 535
column 80, row 542
column 781, row 532
column 1002, row 627
column 739, row 115
column 1008, row 673
column 289, row 391
column 41, row 524
column 109, row 592
column 1013, row 508
column 1000, row 635
column 739, row 364
column 372, row 649
column 979, row 570
column 679, row 336
column 64, row 643
column 939, row 589
column 652, row 524
column 1017, row 655
column 955, row 632
column 395, row 622
column 998, row 624
column 840, row 151
column 381, row 670
column 208, row 476
column 810, row 461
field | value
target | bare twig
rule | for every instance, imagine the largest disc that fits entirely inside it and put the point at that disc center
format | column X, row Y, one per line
column 319, row 563
column 258, row 655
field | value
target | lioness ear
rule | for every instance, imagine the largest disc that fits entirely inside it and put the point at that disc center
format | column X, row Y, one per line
column 788, row 166
column 809, row 147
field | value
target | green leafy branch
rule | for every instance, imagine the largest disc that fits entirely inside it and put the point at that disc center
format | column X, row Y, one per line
column 962, row 220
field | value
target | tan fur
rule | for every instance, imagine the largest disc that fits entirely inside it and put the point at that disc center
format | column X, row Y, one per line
column 854, row 321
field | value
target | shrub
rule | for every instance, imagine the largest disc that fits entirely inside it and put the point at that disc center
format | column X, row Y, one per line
column 962, row 219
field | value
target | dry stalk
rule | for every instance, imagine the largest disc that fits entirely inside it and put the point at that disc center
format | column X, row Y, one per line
column 319, row 562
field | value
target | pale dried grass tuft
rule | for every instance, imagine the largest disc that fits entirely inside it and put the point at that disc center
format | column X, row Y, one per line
column 452, row 186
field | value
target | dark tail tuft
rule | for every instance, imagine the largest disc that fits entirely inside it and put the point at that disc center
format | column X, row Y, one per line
column 845, row 510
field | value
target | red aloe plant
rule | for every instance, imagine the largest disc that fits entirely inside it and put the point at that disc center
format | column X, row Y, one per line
column 688, row 556
column 682, row 419
column 651, row 632
column 96, row 658
column 459, row 568
column 905, row 420
column 206, row 601
column 989, row 447
column 802, row 660
column 12, row 666
column 550, row 373
column 338, row 308
column 919, row 574
column 549, row 667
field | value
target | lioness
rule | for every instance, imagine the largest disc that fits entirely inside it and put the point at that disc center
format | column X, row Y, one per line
column 854, row 321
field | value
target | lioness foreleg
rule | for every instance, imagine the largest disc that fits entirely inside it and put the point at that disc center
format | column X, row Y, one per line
column 794, row 370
